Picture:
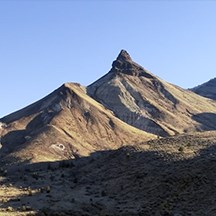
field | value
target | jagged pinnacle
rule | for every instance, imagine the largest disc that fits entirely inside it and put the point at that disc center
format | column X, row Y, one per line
column 125, row 64
column 124, row 56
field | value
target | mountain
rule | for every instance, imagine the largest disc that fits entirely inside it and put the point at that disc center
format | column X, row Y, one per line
column 207, row 89
column 145, row 101
column 70, row 154
column 65, row 124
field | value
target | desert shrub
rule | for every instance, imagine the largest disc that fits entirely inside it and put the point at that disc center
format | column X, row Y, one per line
column 128, row 155
column 52, row 178
column 9, row 209
column 5, row 172
column 30, row 192
column 35, row 175
column 188, row 144
column 181, row 149
column 49, row 166
column 65, row 164
column 4, row 200
column 103, row 193
column 75, row 180
column 48, row 189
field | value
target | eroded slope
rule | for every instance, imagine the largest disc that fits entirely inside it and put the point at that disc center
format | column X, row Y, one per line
column 145, row 101
column 65, row 124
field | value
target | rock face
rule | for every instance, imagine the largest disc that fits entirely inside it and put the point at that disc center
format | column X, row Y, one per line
column 145, row 101
column 63, row 125
column 207, row 89
column 124, row 64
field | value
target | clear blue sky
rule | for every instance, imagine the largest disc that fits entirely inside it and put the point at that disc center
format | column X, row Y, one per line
column 46, row 43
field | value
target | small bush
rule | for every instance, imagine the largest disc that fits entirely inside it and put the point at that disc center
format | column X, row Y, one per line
column 48, row 189
column 30, row 192
column 4, row 200
column 128, row 155
column 35, row 175
column 4, row 172
column 9, row 209
column 181, row 149
column 103, row 193
column 188, row 144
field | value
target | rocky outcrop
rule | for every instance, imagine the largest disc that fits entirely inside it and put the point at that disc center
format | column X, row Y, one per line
column 124, row 64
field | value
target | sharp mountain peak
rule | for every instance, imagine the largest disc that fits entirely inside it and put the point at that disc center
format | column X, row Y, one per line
column 145, row 101
column 124, row 56
column 125, row 65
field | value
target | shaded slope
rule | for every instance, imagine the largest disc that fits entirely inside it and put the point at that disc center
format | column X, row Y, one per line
column 145, row 101
column 65, row 124
column 168, row 176
column 207, row 89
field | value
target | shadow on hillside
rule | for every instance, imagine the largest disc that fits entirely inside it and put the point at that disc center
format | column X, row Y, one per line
column 14, row 140
column 207, row 120
column 147, row 183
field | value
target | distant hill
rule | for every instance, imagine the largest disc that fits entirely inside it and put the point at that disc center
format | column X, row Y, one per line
column 145, row 101
column 207, row 89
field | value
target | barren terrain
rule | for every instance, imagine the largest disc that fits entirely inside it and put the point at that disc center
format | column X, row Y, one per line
column 167, row 176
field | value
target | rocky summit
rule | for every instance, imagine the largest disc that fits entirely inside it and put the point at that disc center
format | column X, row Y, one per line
column 124, row 64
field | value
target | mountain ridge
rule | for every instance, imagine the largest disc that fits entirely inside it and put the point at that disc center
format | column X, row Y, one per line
column 207, row 89
column 147, row 102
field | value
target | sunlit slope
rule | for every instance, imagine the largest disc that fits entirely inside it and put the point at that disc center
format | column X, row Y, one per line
column 143, row 100
column 65, row 124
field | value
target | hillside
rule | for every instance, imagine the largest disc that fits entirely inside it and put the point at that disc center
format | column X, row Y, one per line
column 167, row 176
column 207, row 89
column 145, row 101
column 63, row 125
